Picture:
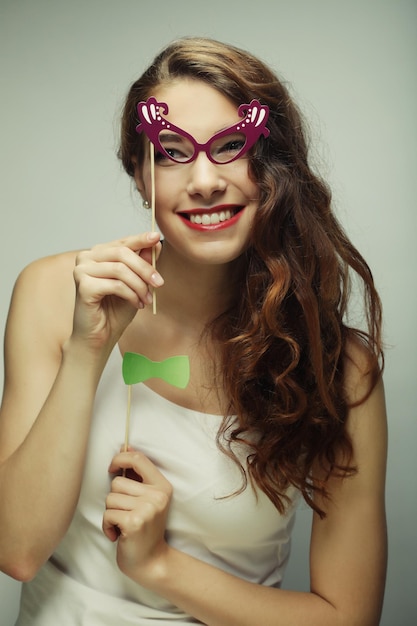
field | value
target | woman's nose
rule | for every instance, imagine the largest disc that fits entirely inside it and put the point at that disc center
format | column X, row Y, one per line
column 205, row 178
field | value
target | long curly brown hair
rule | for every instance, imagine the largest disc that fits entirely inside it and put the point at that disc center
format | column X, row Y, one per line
column 284, row 340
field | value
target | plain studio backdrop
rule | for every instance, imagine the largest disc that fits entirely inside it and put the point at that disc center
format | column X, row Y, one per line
column 65, row 68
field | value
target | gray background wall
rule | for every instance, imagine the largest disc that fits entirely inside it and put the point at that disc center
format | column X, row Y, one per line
column 65, row 67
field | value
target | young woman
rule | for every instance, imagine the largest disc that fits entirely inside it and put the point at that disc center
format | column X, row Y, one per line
column 192, row 523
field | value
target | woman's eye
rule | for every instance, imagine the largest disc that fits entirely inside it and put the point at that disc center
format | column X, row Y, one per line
column 233, row 146
column 225, row 149
column 176, row 147
column 168, row 156
column 173, row 153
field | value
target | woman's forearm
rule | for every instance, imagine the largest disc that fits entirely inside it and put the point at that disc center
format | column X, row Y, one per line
column 217, row 598
column 40, row 481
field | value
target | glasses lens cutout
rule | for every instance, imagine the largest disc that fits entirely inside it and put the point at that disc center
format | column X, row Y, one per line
column 176, row 147
column 228, row 148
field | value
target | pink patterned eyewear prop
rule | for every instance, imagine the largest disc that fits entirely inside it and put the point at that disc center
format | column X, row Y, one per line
column 179, row 146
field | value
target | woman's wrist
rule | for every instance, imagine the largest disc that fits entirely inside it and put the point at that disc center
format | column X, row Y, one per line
column 157, row 573
column 90, row 360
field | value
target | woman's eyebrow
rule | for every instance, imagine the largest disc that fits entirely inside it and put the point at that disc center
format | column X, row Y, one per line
column 165, row 136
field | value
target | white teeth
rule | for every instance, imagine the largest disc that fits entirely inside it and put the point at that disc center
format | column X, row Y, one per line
column 210, row 218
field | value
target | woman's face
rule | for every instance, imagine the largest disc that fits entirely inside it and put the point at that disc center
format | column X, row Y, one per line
column 203, row 209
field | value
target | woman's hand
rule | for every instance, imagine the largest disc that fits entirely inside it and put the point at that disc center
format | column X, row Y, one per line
column 113, row 281
column 136, row 514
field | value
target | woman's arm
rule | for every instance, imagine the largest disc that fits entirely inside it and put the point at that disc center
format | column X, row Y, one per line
column 54, row 356
column 348, row 547
column 44, row 418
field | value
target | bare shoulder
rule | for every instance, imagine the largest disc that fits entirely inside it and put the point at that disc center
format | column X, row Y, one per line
column 359, row 371
column 45, row 290
column 365, row 395
column 57, row 267
column 366, row 427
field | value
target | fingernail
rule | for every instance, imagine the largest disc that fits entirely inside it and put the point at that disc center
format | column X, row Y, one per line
column 151, row 236
column 149, row 298
column 157, row 280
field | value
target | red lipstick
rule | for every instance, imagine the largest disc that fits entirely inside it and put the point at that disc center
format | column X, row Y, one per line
column 215, row 218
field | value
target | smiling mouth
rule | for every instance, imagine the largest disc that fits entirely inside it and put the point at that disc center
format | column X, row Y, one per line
column 206, row 219
column 212, row 218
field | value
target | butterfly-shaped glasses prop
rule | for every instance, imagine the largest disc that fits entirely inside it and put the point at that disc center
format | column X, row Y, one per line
column 178, row 146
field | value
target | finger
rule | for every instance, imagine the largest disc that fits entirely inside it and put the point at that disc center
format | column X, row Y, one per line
column 136, row 242
column 135, row 496
column 140, row 246
column 132, row 520
column 132, row 276
column 120, row 523
column 142, row 241
column 142, row 465
column 112, row 278
column 146, row 253
column 127, row 486
column 92, row 291
column 115, row 262
column 121, row 501
column 110, row 525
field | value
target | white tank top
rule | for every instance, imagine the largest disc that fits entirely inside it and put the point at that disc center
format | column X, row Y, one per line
column 243, row 535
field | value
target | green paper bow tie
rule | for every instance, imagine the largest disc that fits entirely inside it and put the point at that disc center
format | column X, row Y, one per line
column 137, row 368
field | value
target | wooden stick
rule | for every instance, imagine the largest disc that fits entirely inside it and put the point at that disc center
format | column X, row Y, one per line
column 153, row 227
column 152, row 158
column 127, row 426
